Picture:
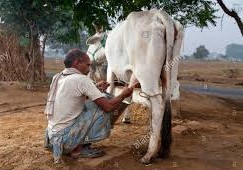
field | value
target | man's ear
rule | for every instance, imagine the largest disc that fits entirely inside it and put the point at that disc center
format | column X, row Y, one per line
column 92, row 40
column 75, row 63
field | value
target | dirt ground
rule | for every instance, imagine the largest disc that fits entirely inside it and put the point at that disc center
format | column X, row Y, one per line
column 215, row 73
column 213, row 139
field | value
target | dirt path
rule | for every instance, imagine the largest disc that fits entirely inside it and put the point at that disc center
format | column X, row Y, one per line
column 213, row 138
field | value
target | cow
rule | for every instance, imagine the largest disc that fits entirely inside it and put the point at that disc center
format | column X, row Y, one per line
column 98, row 59
column 145, row 48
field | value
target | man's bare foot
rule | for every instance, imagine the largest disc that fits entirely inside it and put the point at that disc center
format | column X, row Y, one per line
column 87, row 152
column 77, row 150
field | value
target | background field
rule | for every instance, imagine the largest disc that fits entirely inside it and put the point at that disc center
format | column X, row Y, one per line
column 223, row 73
column 207, row 130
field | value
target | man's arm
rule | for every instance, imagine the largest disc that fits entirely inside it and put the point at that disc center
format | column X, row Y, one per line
column 109, row 105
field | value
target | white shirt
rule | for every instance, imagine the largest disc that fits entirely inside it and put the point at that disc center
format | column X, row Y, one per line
column 69, row 101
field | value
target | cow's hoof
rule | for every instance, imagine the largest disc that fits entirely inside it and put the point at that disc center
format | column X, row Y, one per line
column 145, row 160
column 126, row 120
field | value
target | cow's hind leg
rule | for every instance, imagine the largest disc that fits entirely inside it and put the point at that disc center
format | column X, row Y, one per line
column 157, row 111
column 110, row 79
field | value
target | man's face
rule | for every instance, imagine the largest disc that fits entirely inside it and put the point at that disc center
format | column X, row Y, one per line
column 83, row 65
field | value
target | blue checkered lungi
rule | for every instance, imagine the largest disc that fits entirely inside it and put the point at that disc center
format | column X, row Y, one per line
column 90, row 126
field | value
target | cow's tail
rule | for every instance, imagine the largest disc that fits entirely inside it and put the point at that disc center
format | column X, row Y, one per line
column 166, row 130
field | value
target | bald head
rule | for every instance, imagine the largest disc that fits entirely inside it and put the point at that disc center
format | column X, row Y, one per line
column 73, row 55
column 75, row 58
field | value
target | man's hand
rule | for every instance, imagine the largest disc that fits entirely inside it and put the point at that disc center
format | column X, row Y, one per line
column 109, row 105
column 126, row 91
column 102, row 85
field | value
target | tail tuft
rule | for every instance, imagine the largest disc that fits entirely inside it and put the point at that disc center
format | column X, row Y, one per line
column 166, row 132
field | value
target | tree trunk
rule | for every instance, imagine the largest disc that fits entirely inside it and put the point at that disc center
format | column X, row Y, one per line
column 42, row 59
column 32, row 58
column 37, row 59
column 233, row 14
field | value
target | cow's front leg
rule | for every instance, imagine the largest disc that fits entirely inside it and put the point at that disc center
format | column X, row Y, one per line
column 110, row 79
column 155, row 132
column 127, row 114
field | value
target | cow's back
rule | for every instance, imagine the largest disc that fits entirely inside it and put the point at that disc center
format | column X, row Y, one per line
column 137, row 44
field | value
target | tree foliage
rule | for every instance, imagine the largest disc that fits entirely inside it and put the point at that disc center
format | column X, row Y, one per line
column 64, row 20
column 29, row 20
column 40, row 16
column 234, row 51
column 188, row 12
column 201, row 52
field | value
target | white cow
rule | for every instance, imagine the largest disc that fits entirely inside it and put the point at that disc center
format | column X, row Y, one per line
column 97, row 58
column 146, row 48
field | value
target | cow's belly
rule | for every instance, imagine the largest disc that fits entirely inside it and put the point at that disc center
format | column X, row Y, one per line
column 117, row 58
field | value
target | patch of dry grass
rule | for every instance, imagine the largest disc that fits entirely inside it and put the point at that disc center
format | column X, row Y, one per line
column 221, row 73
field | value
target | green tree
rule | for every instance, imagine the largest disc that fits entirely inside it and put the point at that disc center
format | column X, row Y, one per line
column 55, row 44
column 234, row 51
column 190, row 12
column 63, row 20
column 32, row 20
column 201, row 52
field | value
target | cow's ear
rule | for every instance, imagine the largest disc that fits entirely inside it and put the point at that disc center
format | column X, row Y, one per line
column 92, row 40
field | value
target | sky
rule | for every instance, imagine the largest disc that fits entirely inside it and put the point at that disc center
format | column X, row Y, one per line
column 214, row 38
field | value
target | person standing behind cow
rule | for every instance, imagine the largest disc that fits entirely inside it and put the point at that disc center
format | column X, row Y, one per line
column 74, row 122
